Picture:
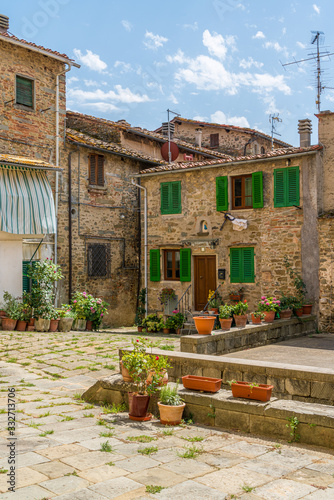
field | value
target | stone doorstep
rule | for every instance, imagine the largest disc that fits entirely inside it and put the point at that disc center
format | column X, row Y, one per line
column 316, row 421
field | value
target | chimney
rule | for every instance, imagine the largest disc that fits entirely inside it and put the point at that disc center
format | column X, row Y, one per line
column 198, row 137
column 305, row 131
column 4, row 23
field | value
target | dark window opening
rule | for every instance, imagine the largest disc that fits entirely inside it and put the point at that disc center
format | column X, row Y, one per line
column 96, row 170
column 214, row 140
column 172, row 265
column 242, row 192
column 24, row 92
column 98, row 258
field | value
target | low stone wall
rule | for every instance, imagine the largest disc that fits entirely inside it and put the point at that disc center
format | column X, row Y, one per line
column 238, row 339
column 302, row 383
column 316, row 424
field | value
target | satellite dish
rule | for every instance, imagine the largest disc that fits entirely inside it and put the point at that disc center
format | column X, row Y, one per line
column 173, row 149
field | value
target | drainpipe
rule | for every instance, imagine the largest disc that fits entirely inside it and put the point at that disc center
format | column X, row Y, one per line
column 145, row 239
column 70, row 225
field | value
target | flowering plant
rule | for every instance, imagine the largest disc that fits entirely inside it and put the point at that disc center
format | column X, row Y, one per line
column 87, row 307
column 165, row 295
column 43, row 274
column 65, row 312
column 214, row 299
column 153, row 323
column 258, row 314
column 138, row 363
column 225, row 312
column 269, row 304
column 240, row 308
column 158, row 363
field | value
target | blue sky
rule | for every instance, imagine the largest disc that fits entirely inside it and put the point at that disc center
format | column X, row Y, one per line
column 214, row 60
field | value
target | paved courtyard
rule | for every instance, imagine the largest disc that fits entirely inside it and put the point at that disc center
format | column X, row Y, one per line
column 70, row 450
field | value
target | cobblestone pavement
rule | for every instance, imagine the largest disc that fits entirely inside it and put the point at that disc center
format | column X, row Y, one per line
column 68, row 449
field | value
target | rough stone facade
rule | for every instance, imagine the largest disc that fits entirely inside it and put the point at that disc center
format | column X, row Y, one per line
column 273, row 232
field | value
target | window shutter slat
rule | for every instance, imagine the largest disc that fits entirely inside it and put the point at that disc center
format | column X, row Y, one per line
column 24, row 91
column 292, row 186
column 235, row 265
column 185, row 264
column 155, row 264
column 248, row 265
column 279, row 187
column 221, row 193
column 257, row 189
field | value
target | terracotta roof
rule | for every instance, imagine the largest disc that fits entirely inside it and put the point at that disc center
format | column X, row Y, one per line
column 275, row 153
column 230, row 127
column 12, row 38
column 26, row 162
column 123, row 125
column 110, row 147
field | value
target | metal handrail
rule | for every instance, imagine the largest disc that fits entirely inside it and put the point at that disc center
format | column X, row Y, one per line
column 182, row 299
column 214, row 293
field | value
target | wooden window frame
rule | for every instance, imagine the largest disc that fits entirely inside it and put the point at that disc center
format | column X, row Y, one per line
column 96, row 156
column 243, row 205
column 214, row 140
column 22, row 105
column 173, row 278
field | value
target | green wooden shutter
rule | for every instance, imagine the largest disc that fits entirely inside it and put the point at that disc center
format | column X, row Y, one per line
column 185, row 264
column 155, row 264
column 257, row 189
column 175, row 197
column 25, row 279
column 221, row 193
column 292, row 194
column 279, row 187
column 164, row 189
column 248, row 265
column 235, row 265
column 24, row 91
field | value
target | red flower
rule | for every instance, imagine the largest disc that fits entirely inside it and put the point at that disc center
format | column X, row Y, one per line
column 137, row 340
column 245, row 301
column 157, row 357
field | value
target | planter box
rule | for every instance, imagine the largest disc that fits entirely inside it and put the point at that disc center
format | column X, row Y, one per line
column 262, row 392
column 206, row 384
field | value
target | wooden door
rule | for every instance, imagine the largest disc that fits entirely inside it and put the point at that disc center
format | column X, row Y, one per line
column 205, row 279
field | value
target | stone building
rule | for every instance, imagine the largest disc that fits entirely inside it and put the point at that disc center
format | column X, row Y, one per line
column 227, row 139
column 276, row 200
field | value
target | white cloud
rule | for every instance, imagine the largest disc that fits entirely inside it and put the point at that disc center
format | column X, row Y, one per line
column 118, row 95
column 260, row 35
column 126, row 24
column 316, row 8
column 200, row 118
column 93, row 83
column 301, row 45
column 104, row 107
column 72, row 79
column 193, row 27
column 154, row 41
column 273, row 45
column 217, row 45
column 173, row 99
column 220, row 117
column 248, row 63
column 123, row 66
column 270, row 102
column 91, row 60
column 284, row 31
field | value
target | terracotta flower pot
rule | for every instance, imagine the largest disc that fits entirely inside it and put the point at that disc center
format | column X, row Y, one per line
column 256, row 320
column 31, row 322
column 79, row 325
column 240, row 320
column 3, row 314
column 307, row 309
column 42, row 325
column 125, row 373
column 285, row 314
column 235, row 298
column 21, row 326
column 8, row 324
column 299, row 312
column 138, row 404
column 225, row 323
column 206, row 384
column 53, row 325
column 162, row 377
column 139, row 328
column 171, row 415
column 89, row 326
column 204, row 324
column 165, row 330
column 215, row 310
column 262, row 392
column 269, row 316
column 65, row 324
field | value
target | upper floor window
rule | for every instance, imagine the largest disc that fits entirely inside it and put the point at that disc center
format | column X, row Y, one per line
column 24, row 94
column 247, row 191
column 286, row 187
column 214, row 140
column 171, row 197
column 96, row 170
column 242, row 192
column 98, row 258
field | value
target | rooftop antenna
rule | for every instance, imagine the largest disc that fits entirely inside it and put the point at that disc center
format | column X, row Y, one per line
column 169, row 151
column 317, row 38
column 272, row 119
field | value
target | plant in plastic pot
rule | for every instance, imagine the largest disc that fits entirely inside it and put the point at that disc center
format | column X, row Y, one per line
column 171, row 405
column 239, row 313
column 225, row 316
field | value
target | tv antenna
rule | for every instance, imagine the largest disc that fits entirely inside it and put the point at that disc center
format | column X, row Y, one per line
column 317, row 38
column 272, row 119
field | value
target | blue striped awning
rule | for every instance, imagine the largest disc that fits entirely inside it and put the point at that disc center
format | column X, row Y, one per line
column 26, row 201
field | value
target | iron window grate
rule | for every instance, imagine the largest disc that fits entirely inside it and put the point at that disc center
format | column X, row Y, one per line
column 98, row 260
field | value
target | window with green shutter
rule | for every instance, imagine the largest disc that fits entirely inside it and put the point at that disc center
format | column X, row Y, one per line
column 286, row 187
column 26, row 284
column 155, row 264
column 185, row 264
column 242, row 265
column 257, row 189
column 222, row 193
column 171, row 197
column 24, row 91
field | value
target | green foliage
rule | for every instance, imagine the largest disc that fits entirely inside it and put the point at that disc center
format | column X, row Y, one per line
column 299, row 284
column 248, row 489
column 148, row 450
column 293, row 425
column 158, row 363
column 87, row 307
column 166, row 295
column 225, row 312
column 169, row 396
column 191, row 452
column 66, row 312
column 240, row 308
column 153, row 489
column 106, row 446
column 195, row 439
column 258, row 314
column 153, row 323
column 138, row 363
column 140, row 314
column 178, row 319
column 44, row 274
column 142, row 438
column 11, row 306
column 287, row 302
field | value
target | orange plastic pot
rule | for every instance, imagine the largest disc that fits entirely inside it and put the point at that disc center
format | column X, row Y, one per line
column 225, row 323
column 262, row 392
column 204, row 324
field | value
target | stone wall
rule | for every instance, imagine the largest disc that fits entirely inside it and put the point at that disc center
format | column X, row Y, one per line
column 273, row 232
column 326, row 272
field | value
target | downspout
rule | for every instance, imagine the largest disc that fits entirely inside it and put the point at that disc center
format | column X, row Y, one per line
column 70, row 225
column 145, row 239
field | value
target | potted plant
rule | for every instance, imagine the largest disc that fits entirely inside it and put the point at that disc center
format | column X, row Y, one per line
column 158, row 366
column 257, row 317
column 204, row 324
column 225, row 316
column 171, row 406
column 307, row 307
column 128, row 363
column 94, row 310
column 153, row 323
column 178, row 321
column 239, row 313
column 286, row 306
column 79, row 306
column 301, row 289
column 141, row 310
column 269, row 306
column 54, row 320
column 168, row 325
column 24, row 314
column 236, row 295
column 214, row 300
column 249, row 390
column 298, row 306
column 11, row 309
column 166, row 295
column 66, row 318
